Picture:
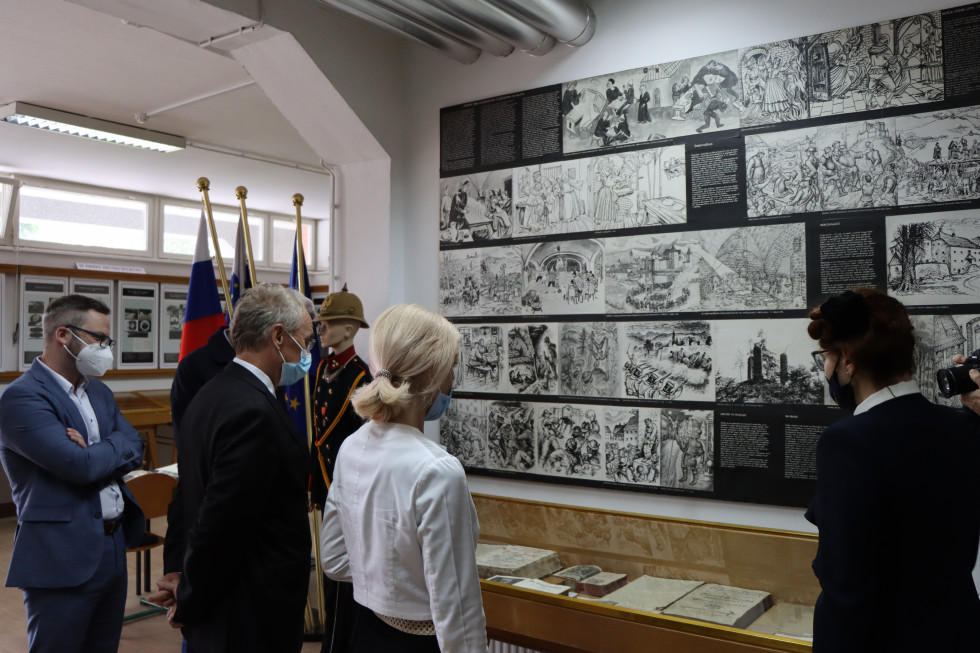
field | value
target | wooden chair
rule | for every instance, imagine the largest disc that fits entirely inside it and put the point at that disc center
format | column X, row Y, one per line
column 153, row 492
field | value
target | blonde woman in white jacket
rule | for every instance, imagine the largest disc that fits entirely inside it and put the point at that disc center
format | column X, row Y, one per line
column 399, row 521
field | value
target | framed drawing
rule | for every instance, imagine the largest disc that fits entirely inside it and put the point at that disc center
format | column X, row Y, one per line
column 136, row 323
column 36, row 294
column 173, row 301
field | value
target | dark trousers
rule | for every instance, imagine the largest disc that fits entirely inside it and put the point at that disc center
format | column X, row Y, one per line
column 370, row 635
column 338, row 603
column 83, row 619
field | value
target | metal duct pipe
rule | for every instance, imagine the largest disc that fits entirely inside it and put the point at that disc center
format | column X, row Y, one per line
column 431, row 15
column 496, row 21
column 570, row 21
column 402, row 26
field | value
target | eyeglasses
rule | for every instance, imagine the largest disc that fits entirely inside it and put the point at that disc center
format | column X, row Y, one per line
column 103, row 340
column 309, row 343
column 820, row 358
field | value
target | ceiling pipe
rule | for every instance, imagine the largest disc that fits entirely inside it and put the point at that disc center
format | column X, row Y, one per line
column 570, row 21
column 141, row 118
column 501, row 24
column 429, row 14
column 395, row 22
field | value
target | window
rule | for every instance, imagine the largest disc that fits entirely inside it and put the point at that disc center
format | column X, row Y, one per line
column 181, row 223
column 82, row 219
column 284, row 241
column 6, row 192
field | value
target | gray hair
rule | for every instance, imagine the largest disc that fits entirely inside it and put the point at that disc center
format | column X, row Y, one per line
column 261, row 308
column 70, row 309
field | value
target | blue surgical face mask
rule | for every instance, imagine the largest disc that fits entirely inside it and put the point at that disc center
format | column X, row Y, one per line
column 438, row 407
column 294, row 372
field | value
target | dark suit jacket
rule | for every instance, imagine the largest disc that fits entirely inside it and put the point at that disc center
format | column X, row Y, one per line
column 56, row 483
column 243, row 473
column 898, row 508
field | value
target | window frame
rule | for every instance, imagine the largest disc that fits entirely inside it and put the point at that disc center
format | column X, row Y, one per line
column 174, row 201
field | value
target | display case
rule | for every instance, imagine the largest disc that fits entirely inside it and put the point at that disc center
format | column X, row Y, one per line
column 775, row 561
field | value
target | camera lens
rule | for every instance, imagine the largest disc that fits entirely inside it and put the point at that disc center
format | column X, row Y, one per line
column 954, row 381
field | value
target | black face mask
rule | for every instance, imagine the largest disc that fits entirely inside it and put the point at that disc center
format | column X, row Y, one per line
column 843, row 395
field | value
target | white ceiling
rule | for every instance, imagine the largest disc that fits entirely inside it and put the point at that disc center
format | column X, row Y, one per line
column 64, row 56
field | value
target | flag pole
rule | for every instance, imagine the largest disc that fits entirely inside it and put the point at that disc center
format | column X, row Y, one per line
column 241, row 193
column 301, row 286
column 203, row 184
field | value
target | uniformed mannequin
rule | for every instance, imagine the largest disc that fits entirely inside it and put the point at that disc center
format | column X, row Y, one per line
column 337, row 377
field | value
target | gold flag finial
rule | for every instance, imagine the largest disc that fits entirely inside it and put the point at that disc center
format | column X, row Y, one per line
column 297, row 200
column 203, row 183
column 241, row 192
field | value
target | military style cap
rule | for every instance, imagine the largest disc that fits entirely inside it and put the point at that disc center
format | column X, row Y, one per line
column 342, row 305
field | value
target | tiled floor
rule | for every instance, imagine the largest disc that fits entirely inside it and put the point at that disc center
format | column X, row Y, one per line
column 147, row 635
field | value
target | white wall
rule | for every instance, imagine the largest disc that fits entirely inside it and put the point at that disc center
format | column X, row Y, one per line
column 629, row 34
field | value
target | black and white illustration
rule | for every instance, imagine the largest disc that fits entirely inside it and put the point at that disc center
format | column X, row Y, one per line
column 463, row 429
column 937, row 339
column 532, row 359
column 942, row 156
column 589, row 359
column 481, row 358
column 774, row 82
column 668, row 361
column 652, row 103
column 480, row 282
column 687, row 449
column 766, row 362
column 569, row 440
column 934, row 258
column 894, row 63
column 853, row 165
column 563, row 277
column 510, row 436
column 725, row 269
column 637, row 189
column 551, row 199
column 632, row 445
column 476, row 207
column 35, row 295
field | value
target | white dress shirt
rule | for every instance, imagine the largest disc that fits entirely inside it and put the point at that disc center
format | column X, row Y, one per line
column 400, row 523
column 895, row 391
column 110, row 496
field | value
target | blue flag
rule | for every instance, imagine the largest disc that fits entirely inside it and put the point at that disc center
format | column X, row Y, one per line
column 295, row 394
column 242, row 277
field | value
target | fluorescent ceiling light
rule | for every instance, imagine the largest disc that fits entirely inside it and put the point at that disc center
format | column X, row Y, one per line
column 30, row 115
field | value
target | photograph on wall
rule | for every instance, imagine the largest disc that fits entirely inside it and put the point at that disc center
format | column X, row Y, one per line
column 476, row 207
column 942, row 156
column 934, row 258
column 632, row 445
column 568, row 438
column 853, row 165
column 687, row 449
column 484, row 281
column 99, row 289
column 766, row 362
column 462, row 431
column 590, row 359
column 637, row 189
column 895, row 63
column 510, row 436
column 937, row 339
column 173, row 301
column 670, row 361
column 563, row 278
column 36, row 293
column 136, row 319
column 551, row 199
column 481, row 358
column 656, row 273
column 532, row 359
column 774, row 83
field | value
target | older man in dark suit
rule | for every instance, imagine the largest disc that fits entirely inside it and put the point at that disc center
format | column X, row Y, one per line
column 243, row 478
column 65, row 447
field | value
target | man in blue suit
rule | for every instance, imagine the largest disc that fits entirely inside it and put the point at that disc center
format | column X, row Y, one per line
column 65, row 447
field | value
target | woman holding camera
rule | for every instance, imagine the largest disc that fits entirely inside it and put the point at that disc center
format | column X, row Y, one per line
column 898, row 493
column 399, row 521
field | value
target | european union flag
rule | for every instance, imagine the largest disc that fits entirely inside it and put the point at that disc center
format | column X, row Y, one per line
column 296, row 394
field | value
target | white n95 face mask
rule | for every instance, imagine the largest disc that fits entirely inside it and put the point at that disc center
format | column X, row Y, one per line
column 93, row 359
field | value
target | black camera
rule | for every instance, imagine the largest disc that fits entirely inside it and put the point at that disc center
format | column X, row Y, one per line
column 956, row 380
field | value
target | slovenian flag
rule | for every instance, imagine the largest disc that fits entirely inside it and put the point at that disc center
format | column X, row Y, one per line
column 241, row 273
column 295, row 394
column 202, row 315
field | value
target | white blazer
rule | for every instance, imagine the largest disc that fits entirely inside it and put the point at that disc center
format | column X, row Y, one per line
column 400, row 523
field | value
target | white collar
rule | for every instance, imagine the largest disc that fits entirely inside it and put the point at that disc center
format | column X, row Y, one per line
column 64, row 383
column 259, row 374
column 900, row 389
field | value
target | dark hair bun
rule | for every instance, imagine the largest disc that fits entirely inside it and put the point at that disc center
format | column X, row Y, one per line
column 846, row 314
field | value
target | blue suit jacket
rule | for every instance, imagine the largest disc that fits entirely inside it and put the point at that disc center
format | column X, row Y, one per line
column 56, row 483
